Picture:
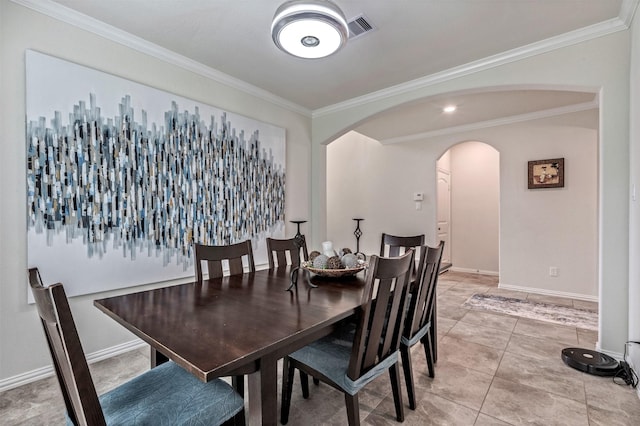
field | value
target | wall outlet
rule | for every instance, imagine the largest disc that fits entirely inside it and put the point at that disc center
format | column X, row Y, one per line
column 553, row 271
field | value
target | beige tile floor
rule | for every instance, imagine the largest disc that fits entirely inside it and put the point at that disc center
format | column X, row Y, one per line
column 492, row 370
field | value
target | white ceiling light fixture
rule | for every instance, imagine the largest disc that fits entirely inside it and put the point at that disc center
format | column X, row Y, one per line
column 309, row 29
column 449, row 109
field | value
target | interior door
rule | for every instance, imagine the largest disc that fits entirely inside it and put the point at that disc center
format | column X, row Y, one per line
column 444, row 212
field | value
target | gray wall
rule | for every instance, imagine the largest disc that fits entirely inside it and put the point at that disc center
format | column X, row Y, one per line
column 538, row 229
column 475, row 207
column 22, row 349
column 634, row 229
column 600, row 64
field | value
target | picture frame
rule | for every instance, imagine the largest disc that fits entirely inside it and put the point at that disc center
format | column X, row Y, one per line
column 546, row 173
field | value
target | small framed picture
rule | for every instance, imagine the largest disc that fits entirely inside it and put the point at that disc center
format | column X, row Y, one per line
column 546, row 173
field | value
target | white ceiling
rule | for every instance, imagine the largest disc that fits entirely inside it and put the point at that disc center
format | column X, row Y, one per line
column 425, row 118
column 413, row 39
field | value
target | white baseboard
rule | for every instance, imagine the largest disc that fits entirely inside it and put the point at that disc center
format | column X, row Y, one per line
column 533, row 290
column 473, row 271
column 633, row 358
column 633, row 367
column 44, row 372
column 545, row 292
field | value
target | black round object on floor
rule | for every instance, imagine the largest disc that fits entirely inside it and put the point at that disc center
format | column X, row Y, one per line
column 589, row 361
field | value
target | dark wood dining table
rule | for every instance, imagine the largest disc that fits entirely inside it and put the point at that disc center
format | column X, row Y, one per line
column 222, row 325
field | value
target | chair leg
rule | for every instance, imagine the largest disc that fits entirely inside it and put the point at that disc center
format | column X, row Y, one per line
column 353, row 409
column 394, row 374
column 287, row 388
column 304, row 384
column 239, row 419
column 433, row 331
column 238, row 384
column 316, row 381
column 407, row 369
column 428, row 351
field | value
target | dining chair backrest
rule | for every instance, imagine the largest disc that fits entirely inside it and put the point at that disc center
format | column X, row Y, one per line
column 286, row 252
column 383, row 312
column 393, row 245
column 423, row 296
column 70, row 364
column 215, row 256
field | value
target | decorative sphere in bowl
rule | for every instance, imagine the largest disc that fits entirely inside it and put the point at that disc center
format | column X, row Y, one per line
column 320, row 261
column 350, row 260
column 334, row 262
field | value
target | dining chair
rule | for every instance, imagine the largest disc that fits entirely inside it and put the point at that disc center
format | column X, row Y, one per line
column 286, row 252
column 420, row 315
column 166, row 394
column 216, row 256
column 233, row 255
column 394, row 245
column 348, row 360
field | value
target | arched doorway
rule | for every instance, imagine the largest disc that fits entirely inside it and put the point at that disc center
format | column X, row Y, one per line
column 468, row 207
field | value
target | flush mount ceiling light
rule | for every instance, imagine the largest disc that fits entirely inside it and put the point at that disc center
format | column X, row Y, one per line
column 309, row 29
column 449, row 108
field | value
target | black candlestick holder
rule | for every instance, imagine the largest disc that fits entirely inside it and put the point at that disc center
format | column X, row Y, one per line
column 299, row 237
column 300, row 242
column 358, row 234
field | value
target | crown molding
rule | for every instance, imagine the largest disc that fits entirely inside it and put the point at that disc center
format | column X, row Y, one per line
column 552, row 112
column 577, row 36
column 87, row 23
column 627, row 11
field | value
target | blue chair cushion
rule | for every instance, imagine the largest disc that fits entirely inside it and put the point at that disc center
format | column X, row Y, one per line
column 416, row 337
column 169, row 395
column 330, row 356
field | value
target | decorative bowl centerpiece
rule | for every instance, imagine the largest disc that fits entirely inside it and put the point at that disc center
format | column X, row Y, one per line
column 334, row 264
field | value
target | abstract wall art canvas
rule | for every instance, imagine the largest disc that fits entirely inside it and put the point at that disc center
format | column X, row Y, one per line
column 123, row 178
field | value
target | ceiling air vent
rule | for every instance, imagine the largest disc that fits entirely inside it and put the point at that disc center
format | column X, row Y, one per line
column 359, row 26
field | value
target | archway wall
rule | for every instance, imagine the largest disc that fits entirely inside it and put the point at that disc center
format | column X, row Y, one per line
column 556, row 227
column 601, row 64
column 538, row 228
column 377, row 182
column 634, row 231
column 474, row 231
